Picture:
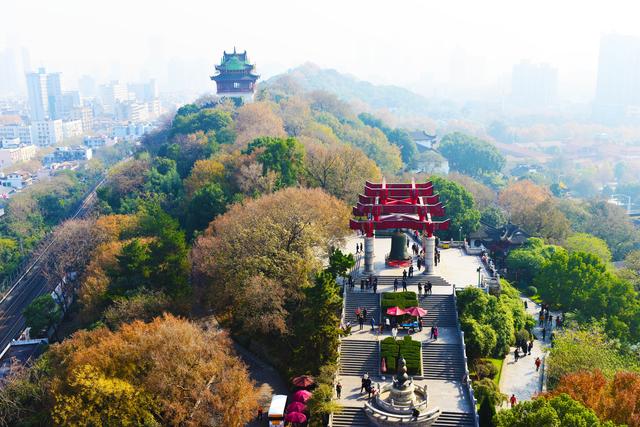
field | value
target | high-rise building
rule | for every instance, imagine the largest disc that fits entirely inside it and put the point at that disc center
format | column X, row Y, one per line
column 144, row 92
column 533, row 85
column 47, row 132
column 45, row 95
column 112, row 93
column 618, row 86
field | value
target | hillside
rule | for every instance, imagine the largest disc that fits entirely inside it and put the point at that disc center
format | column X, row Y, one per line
column 348, row 88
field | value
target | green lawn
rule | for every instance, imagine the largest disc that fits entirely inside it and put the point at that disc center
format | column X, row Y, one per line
column 498, row 364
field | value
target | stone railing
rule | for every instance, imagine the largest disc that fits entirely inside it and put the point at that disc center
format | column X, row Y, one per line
column 467, row 379
column 473, row 251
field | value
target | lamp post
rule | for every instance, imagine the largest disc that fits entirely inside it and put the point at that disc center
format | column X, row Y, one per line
column 479, row 269
column 460, row 233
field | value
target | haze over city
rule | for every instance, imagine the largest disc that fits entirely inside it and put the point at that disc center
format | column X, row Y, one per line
column 466, row 48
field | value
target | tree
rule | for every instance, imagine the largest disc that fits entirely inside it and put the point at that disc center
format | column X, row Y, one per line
column 471, row 156
column 585, row 349
column 283, row 156
column 144, row 306
column 255, row 120
column 41, row 314
column 339, row 169
column 527, row 261
column 493, row 216
column 487, row 411
column 190, row 373
column 340, row 263
column 207, row 203
column 554, row 412
column 9, row 256
column 483, row 196
column 398, row 137
column 459, row 207
column 203, row 173
column 611, row 223
column 101, row 401
column 583, row 242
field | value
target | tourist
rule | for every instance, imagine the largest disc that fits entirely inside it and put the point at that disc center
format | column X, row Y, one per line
column 526, row 306
column 375, row 286
column 357, row 248
column 373, row 325
column 404, row 274
column 363, row 384
column 404, row 285
column 544, row 334
column 516, row 354
column 387, row 322
column 538, row 362
column 338, row 389
column 415, row 413
column 419, row 262
column 541, row 317
column 419, row 289
column 524, row 348
column 435, row 333
column 513, row 400
column 395, row 284
column 551, row 320
column 361, row 285
column 530, row 346
column 364, row 313
column 438, row 256
column 429, row 286
column 394, row 332
column 411, row 271
column 432, row 332
column 361, row 321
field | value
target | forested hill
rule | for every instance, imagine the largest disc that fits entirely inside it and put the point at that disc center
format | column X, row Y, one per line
column 348, row 88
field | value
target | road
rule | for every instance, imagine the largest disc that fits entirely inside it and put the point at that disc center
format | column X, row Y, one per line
column 30, row 285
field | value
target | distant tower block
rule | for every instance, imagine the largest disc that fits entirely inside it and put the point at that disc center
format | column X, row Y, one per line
column 235, row 77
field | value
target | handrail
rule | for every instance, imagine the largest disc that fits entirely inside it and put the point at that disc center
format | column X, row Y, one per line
column 466, row 367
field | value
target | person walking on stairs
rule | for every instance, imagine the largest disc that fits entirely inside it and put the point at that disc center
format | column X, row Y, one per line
column 513, row 400
column 338, row 389
column 538, row 362
column 404, row 285
column 395, row 284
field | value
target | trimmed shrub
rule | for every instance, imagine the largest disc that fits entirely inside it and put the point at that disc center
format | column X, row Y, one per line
column 398, row 299
column 408, row 348
column 531, row 291
column 485, row 369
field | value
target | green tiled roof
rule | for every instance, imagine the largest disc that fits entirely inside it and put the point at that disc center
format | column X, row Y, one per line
column 234, row 64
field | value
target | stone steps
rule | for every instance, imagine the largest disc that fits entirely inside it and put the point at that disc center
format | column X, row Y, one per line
column 412, row 282
column 350, row 416
column 362, row 299
column 442, row 361
column 440, row 310
column 458, row 419
column 358, row 357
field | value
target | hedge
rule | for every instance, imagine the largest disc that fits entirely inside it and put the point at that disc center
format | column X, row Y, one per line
column 398, row 299
column 408, row 348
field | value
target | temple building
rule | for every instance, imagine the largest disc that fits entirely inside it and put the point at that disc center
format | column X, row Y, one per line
column 235, row 77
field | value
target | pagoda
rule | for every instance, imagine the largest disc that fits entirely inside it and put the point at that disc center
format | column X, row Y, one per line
column 235, row 77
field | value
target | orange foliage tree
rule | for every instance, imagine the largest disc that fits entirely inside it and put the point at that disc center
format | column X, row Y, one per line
column 616, row 400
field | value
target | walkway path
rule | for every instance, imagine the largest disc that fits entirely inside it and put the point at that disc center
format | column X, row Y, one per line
column 521, row 378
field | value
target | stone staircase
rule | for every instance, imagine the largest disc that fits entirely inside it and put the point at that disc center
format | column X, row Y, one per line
column 457, row 419
column 350, row 416
column 362, row 299
column 358, row 357
column 412, row 282
column 441, row 311
column 442, row 361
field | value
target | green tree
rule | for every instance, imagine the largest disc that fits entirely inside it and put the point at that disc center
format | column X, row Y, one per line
column 527, row 261
column 459, row 207
column 41, row 314
column 206, row 204
column 470, row 155
column 584, row 242
column 398, row 137
column 283, row 156
column 132, row 270
column 559, row 411
column 493, row 216
column 340, row 263
column 487, row 411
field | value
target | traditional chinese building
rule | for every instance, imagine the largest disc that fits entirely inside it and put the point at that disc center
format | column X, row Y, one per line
column 235, row 77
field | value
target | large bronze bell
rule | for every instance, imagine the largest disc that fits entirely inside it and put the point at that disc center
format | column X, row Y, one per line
column 399, row 247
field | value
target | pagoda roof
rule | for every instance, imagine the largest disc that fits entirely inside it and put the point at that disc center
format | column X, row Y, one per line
column 220, row 77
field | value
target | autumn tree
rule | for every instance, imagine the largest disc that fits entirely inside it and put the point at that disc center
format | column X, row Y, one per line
column 339, row 169
column 616, row 400
column 255, row 120
column 203, row 173
column 169, row 371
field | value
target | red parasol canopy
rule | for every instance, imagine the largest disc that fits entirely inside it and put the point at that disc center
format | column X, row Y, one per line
column 301, row 396
column 383, row 365
column 303, row 381
column 295, row 417
column 416, row 311
column 296, row 407
column 395, row 311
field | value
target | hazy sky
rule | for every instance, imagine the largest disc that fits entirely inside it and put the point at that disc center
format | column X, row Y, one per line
column 472, row 42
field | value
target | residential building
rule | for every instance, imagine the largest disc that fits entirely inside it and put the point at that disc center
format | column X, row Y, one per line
column 144, row 92
column 11, row 153
column 112, row 93
column 14, row 130
column 131, row 130
column 99, row 141
column 618, row 84
column 533, row 85
column 85, row 115
column 47, row 132
column 16, row 180
column 131, row 111
column 71, row 128
column 68, row 154
column 45, row 95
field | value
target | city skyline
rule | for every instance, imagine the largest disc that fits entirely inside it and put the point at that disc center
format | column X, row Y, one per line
column 429, row 42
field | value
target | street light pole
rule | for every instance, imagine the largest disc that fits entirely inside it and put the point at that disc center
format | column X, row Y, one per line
column 479, row 273
column 460, row 234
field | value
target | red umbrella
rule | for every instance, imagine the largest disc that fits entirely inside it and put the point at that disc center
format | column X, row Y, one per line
column 383, row 365
column 296, row 407
column 416, row 311
column 303, row 381
column 395, row 311
column 295, row 417
column 301, row 396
